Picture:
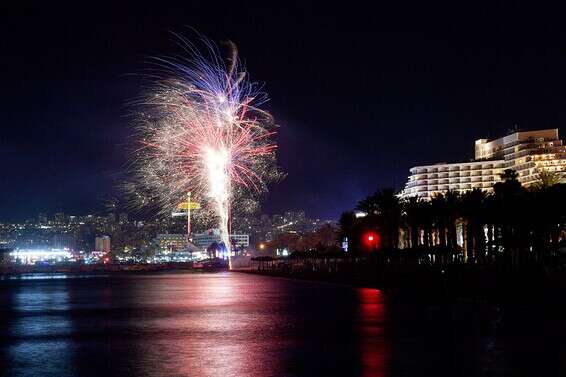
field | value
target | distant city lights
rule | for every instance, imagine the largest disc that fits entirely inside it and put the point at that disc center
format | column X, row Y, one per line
column 32, row 256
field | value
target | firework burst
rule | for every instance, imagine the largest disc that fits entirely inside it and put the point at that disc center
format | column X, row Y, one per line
column 201, row 131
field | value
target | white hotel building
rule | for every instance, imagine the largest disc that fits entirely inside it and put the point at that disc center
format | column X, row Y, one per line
column 528, row 153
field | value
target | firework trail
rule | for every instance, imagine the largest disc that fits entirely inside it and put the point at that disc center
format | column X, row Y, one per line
column 201, row 131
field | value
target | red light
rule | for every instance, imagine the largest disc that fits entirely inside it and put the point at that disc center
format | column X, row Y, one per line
column 371, row 240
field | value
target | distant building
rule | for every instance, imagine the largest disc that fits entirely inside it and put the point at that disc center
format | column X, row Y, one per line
column 60, row 218
column 204, row 240
column 171, row 241
column 32, row 256
column 123, row 218
column 63, row 241
column 111, row 218
column 4, row 256
column 42, row 219
column 102, row 243
column 85, row 237
column 528, row 153
column 265, row 228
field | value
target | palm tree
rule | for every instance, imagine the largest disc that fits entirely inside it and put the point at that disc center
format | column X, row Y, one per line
column 547, row 179
column 350, row 228
column 411, row 206
column 438, row 211
column 509, row 175
column 425, row 221
column 548, row 207
column 384, row 211
column 490, row 216
column 473, row 204
column 452, row 212
column 509, row 209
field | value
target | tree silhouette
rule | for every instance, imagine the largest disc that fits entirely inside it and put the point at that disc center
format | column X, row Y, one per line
column 511, row 224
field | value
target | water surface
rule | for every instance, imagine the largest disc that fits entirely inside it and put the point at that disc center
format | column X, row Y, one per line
column 231, row 324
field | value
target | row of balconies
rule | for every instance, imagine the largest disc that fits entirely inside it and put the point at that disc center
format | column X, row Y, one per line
column 559, row 157
column 459, row 168
column 533, row 141
column 531, row 151
column 477, row 173
column 467, row 183
column 467, row 186
column 431, row 194
column 546, row 164
column 524, row 150
column 429, row 182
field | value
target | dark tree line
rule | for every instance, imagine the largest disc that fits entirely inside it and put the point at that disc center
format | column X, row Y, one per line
column 512, row 223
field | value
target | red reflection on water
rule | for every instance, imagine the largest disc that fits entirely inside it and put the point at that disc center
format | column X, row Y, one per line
column 219, row 325
column 374, row 347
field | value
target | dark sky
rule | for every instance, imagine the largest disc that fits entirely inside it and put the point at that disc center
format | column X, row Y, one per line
column 361, row 94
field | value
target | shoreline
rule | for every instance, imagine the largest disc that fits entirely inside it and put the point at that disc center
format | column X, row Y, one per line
column 471, row 283
column 101, row 269
column 445, row 286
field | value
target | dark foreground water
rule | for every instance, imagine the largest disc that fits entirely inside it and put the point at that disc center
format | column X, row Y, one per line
column 231, row 324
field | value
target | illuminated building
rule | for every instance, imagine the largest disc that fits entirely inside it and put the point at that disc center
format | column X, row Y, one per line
column 33, row 256
column 60, row 218
column 111, row 218
column 171, row 241
column 42, row 219
column 204, row 240
column 102, row 244
column 528, row 153
column 4, row 256
column 64, row 241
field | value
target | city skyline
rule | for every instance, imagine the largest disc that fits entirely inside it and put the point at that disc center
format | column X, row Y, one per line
column 115, row 236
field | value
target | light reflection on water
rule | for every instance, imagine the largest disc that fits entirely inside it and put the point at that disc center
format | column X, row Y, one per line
column 49, row 276
column 231, row 324
column 374, row 349
column 40, row 330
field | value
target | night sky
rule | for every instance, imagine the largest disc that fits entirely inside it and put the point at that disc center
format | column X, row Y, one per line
column 360, row 94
